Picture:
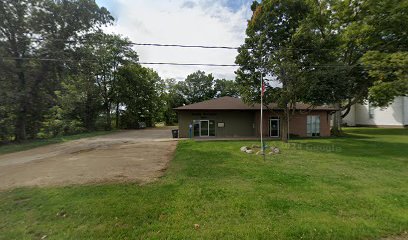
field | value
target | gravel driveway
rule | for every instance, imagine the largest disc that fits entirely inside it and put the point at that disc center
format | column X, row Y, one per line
column 126, row 156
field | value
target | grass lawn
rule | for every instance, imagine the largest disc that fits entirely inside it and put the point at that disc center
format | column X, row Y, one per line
column 10, row 148
column 354, row 187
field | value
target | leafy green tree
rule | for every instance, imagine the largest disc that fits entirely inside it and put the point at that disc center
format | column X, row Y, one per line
column 173, row 98
column 286, row 40
column 225, row 87
column 384, row 25
column 390, row 73
column 80, row 100
column 139, row 93
column 53, row 24
column 110, row 52
column 370, row 33
column 326, row 51
column 7, row 108
column 198, row 87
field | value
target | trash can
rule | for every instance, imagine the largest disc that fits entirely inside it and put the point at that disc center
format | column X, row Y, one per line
column 175, row 133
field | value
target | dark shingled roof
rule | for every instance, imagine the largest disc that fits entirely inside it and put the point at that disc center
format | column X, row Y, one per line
column 231, row 103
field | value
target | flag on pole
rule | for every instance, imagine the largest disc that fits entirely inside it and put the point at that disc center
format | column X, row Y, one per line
column 263, row 88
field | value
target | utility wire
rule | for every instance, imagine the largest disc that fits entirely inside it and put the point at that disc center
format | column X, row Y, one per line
column 142, row 63
column 189, row 64
column 140, row 44
column 184, row 46
column 84, row 40
column 313, row 66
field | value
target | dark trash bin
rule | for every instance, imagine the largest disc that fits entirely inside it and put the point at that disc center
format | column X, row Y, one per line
column 175, row 133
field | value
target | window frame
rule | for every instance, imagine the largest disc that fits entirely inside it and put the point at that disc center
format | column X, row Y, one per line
column 313, row 126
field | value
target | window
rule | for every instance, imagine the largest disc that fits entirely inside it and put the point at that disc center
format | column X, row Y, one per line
column 313, row 126
column 274, row 127
column 196, row 128
column 370, row 111
column 212, row 128
column 203, row 128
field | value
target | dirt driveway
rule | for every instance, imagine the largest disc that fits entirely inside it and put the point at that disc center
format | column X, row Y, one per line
column 136, row 155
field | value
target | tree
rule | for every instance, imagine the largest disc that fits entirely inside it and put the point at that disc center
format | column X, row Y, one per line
column 286, row 40
column 225, row 87
column 390, row 73
column 7, row 109
column 325, row 52
column 173, row 98
column 53, row 24
column 80, row 99
column 386, row 57
column 139, row 94
column 110, row 52
column 198, row 87
column 371, row 34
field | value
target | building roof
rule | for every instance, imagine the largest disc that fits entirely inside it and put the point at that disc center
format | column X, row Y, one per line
column 231, row 103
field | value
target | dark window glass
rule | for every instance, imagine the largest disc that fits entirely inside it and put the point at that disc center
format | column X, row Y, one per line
column 212, row 128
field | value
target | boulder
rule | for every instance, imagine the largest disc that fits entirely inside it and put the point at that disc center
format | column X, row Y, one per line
column 244, row 149
column 259, row 153
column 255, row 146
column 249, row 151
column 276, row 150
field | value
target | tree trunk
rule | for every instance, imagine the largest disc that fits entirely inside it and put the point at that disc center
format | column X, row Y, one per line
column 285, row 126
column 336, row 129
column 108, row 126
column 21, row 121
column 21, row 124
column 117, row 115
column 89, row 114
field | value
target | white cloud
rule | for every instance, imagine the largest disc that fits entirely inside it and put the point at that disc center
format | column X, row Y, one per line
column 205, row 22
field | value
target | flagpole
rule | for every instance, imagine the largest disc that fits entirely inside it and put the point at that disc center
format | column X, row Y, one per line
column 261, row 123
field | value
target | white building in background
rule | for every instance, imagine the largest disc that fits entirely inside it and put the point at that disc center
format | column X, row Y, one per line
column 396, row 115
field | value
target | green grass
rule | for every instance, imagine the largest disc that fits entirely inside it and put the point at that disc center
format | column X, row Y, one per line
column 354, row 187
column 16, row 147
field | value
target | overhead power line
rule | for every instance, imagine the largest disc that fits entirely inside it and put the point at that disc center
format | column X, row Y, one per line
column 189, row 64
column 184, row 46
column 142, row 44
column 312, row 66
column 142, row 63
column 85, row 40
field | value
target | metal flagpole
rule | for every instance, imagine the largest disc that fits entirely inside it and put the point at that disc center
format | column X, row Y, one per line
column 262, row 146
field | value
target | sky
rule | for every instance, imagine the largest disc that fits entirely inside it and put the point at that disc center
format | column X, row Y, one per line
column 187, row 22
